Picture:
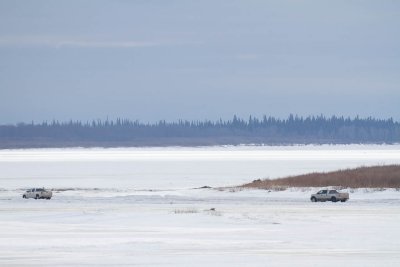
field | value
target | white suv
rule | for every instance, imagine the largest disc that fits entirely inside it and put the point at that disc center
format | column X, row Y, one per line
column 37, row 193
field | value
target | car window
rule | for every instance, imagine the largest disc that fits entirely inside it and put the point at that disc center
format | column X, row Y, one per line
column 324, row 191
column 332, row 191
column 39, row 190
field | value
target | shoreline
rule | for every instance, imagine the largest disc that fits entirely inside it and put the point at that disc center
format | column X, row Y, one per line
column 4, row 146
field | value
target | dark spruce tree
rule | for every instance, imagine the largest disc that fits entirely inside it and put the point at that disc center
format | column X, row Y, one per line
column 268, row 131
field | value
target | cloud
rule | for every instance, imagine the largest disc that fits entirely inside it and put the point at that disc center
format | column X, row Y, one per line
column 59, row 42
column 248, row 56
column 108, row 44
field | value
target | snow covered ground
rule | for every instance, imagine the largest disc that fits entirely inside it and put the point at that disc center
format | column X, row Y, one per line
column 199, row 227
column 179, row 168
column 138, row 207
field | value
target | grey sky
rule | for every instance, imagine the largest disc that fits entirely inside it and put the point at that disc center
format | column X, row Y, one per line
column 152, row 60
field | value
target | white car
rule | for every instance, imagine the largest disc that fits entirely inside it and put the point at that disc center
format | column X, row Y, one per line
column 38, row 193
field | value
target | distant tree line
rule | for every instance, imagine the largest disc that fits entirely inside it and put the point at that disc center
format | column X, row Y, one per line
column 265, row 130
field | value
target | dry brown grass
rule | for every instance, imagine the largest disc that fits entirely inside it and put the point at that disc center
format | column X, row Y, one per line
column 362, row 177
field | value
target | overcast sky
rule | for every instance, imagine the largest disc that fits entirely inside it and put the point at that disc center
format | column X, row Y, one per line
column 160, row 59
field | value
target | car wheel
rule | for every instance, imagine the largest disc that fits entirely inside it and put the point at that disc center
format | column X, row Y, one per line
column 37, row 197
column 333, row 199
column 313, row 199
column 23, row 196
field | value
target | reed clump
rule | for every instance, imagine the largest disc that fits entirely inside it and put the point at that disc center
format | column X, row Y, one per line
column 387, row 176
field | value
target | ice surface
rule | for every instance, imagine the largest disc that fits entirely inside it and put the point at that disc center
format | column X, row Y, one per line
column 178, row 168
column 137, row 207
column 179, row 228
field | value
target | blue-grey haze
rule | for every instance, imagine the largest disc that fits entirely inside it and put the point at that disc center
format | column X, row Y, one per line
column 158, row 59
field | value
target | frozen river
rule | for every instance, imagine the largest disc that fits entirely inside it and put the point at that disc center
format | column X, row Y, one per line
column 199, row 227
column 178, row 168
column 138, row 207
